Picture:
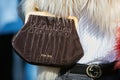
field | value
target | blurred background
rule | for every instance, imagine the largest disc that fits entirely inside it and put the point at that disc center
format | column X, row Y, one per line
column 11, row 65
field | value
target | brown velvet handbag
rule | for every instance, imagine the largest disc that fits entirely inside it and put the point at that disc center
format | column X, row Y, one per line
column 48, row 41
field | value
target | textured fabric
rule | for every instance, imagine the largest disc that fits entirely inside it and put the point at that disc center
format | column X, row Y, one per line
column 48, row 41
column 97, row 45
column 73, row 77
column 70, row 76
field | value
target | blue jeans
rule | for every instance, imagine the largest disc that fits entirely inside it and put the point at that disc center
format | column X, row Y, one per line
column 71, row 76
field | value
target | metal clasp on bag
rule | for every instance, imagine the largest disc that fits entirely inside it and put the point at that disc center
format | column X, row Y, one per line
column 94, row 71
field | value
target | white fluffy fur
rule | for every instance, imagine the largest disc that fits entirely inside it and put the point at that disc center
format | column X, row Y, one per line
column 105, row 13
column 58, row 7
column 47, row 73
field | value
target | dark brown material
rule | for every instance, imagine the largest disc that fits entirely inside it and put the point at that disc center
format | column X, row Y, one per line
column 48, row 41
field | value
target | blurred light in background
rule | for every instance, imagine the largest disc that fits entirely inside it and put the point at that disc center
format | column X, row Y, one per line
column 10, row 23
column 9, row 20
column 8, row 11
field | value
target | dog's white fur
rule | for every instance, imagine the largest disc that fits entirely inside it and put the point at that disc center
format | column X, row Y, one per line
column 105, row 13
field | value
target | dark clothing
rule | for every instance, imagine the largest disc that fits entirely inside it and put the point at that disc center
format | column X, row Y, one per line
column 70, row 76
column 80, row 73
column 6, row 57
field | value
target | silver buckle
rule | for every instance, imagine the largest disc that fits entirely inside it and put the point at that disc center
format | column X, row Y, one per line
column 94, row 71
